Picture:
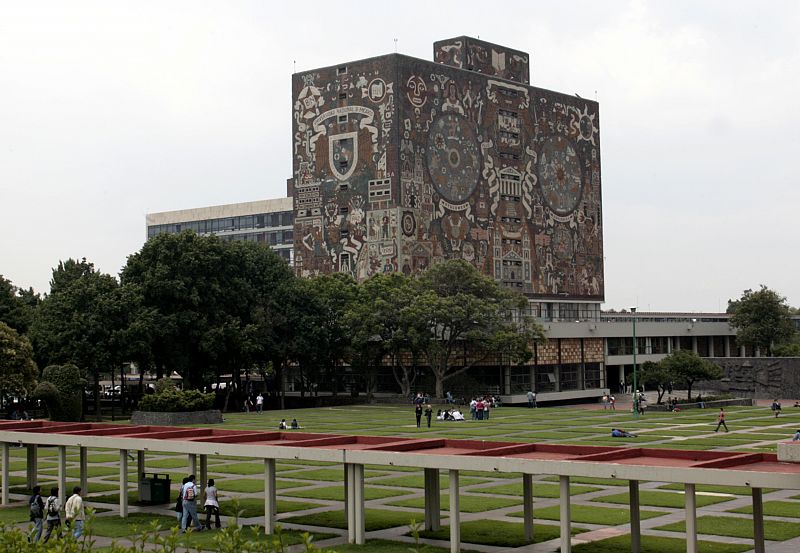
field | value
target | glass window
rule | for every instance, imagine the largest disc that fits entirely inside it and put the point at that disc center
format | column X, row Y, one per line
column 286, row 218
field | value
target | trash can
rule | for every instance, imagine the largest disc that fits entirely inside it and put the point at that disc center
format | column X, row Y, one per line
column 154, row 489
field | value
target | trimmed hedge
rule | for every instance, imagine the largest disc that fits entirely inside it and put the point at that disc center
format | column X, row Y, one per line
column 168, row 399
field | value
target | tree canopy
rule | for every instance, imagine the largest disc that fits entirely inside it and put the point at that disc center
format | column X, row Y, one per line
column 761, row 319
column 17, row 369
column 687, row 367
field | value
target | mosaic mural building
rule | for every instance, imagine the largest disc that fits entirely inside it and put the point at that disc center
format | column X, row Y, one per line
column 400, row 163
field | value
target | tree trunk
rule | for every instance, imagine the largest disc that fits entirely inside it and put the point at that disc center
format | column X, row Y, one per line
column 689, row 391
column 97, row 414
column 439, row 384
column 113, row 393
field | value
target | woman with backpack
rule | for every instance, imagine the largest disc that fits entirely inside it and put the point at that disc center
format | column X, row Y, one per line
column 51, row 509
column 37, row 514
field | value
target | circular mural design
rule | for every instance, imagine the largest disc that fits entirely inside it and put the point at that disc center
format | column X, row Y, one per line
column 453, row 160
column 561, row 176
column 408, row 224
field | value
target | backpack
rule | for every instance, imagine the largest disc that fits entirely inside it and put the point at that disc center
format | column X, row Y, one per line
column 36, row 507
column 189, row 493
column 52, row 508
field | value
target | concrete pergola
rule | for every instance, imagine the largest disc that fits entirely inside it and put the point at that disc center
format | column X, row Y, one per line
column 690, row 468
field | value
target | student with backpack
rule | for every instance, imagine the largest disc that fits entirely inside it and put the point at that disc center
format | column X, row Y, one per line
column 189, row 496
column 36, row 504
column 51, row 509
column 74, row 512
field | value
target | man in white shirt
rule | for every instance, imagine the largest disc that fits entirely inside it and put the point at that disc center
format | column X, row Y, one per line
column 259, row 403
column 189, row 496
column 74, row 512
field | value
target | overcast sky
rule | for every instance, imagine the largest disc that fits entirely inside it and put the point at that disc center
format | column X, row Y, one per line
column 110, row 110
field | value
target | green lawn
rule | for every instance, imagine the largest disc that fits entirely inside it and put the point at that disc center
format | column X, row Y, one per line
column 499, row 533
column 733, row 490
column 210, row 540
column 738, row 527
column 607, row 516
column 418, row 481
column 336, row 493
column 383, row 546
column 539, row 490
column 250, row 507
column 116, row 527
column 375, row 519
column 661, row 499
column 774, row 509
column 653, row 544
column 467, row 503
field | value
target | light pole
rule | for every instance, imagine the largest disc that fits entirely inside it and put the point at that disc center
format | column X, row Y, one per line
column 635, row 383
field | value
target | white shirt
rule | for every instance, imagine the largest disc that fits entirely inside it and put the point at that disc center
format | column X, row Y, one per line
column 259, row 399
column 187, row 486
column 211, row 496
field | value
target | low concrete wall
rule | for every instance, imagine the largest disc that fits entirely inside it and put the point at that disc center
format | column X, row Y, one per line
column 153, row 418
column 757, row 377
column 716, row 404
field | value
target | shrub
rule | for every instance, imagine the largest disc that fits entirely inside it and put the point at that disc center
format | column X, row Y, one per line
column 168, row 399
column 61, row 389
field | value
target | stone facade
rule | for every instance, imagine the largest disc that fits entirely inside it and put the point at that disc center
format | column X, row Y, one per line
column 152, row 418
column 401, row 163
column 757, row 377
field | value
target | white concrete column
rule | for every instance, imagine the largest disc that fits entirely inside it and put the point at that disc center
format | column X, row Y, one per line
column 358, row 504
column 691, row 519
column 455, row 513
column 191, row 461
column 4, row 483
column 758, row 521
column 742, row 351
column 669, row 344
column 636, row 527
column 433, row 509
column 676, row 343
column 566, row 527
column 727, row 346
column 269, row 496
column 62, row 472
column 710, row 340
column 694, row 344
column 203, row 474
column 32, row 454
column 84, row 469
column 758, row 352
column 347, row 493
column 527, row 505
column 140, row 464
column 123, row 483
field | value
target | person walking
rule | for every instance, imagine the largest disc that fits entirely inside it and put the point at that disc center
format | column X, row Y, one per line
column 473, row 412
column 418, row 413
column 74, row 512
column 530, row 399
column 605, row 402
column 189, row 498
column 428, row 414
column 36, row 504
column 776, row 408
column 259, row 403
column 211, row 504
column 52, row 507
column 721, row 420
column 612, row 403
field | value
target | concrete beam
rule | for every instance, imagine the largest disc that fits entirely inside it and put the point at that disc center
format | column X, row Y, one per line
column 433, row 514
column 565, row 515
column 636, row 526
column 691, row 518
column 84, row 469
column 527, row 505
column 33, row 464
column 758, row 521
column 455, row 513
column 123, row 483
column 4, row 483
column 269, row 496
column 62, row 472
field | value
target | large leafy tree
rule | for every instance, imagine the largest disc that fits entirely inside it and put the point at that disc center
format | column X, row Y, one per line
column 17, row 369
column 761, row 319
column 471, row 318
column 688, row 368
column 81, row 322
column 657, row 376
column 17, row 306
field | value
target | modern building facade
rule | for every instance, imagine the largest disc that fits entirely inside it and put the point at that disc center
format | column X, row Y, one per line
column 267, row 222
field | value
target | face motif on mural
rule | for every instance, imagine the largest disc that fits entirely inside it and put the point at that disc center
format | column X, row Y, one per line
column 417, row 91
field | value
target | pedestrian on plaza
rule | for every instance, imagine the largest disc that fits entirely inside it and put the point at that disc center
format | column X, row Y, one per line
column 189, row 498
column 776, row 408
column 796, row 437
column 530, row 399
column 428, row 414
column 605, row 402
column 51, row 508
column 612, row 403
column 721, row 420
column 259, row 403
column 211, row 504
column 479, row 408
column 622, row 386
column 418, row 413
column 473, row 409
column 248, row 404
column 487, row 404
column 36, row 504
column 74, row 512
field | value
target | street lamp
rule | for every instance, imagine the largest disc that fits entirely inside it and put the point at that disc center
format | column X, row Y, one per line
column 635, row 384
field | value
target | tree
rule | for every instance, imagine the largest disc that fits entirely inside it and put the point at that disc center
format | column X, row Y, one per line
column 687, row 367
column 761, row 319
column 657, row 376
column 17, row 369
column 470, row 319
column 17, row 307
column 81, row 322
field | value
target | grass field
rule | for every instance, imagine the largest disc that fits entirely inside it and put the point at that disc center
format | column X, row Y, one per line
column 311, row 493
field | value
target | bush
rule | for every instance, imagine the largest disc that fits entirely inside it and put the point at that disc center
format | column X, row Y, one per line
column 168, row 399
column 61, row 389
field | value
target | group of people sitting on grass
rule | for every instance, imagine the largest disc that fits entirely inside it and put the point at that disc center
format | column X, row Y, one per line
column 283, row 426
column 449, row 415
column 186, row 505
